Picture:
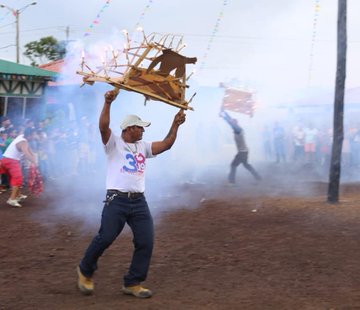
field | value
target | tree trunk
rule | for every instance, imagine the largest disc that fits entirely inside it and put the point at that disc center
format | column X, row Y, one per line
column 338, row 122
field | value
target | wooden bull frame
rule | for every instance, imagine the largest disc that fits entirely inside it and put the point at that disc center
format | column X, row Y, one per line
column 139, row 73
column 239, row 101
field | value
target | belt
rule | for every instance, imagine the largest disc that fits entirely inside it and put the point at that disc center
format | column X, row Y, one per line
column 125, row 194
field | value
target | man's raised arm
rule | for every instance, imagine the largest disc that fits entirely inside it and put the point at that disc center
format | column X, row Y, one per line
column 164, row 145
column 231, row 121
column 104, row 120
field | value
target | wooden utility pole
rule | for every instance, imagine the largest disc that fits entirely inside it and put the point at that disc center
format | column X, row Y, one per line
column 338, row 122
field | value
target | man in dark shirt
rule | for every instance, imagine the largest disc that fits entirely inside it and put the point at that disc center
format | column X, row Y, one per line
column 242, row 155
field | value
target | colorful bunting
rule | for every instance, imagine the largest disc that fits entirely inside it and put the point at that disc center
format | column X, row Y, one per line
column 4, row 17
column 213, row 34
column 313, row 38
column 142, row 15
column 96, row 21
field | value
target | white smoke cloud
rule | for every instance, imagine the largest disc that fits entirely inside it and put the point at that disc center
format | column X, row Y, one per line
column 267, row 49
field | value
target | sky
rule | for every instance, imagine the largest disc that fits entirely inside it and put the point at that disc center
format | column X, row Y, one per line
column 272, row 47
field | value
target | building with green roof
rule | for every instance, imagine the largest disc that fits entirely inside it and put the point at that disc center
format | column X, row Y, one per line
column 22, row 88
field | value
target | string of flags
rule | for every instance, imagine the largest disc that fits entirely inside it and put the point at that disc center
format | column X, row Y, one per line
column 313, row 39
column 4, row 17
column 214, row 32
column 96, row 21
column 143, row 13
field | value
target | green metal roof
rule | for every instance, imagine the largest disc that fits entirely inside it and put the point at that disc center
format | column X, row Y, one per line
column 8, row 67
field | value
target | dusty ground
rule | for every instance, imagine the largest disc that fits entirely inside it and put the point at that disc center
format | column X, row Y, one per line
column 228, row 248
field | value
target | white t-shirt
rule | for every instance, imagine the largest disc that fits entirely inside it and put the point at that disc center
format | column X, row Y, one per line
column 12, row 151
column 310, row 135
column 126, row 164
column 299, row 136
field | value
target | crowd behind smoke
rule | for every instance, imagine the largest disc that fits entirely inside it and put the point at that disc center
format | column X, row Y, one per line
column 69, row 143
column 71, row 158
column 71, row 155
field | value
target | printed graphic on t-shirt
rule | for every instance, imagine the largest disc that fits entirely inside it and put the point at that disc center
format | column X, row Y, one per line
column 135, row 163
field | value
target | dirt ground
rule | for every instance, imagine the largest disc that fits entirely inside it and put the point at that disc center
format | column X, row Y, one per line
column 219, row 248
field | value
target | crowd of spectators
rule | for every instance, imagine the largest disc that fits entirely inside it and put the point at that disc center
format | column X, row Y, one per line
column 73, row 149
column 309, row 144
column 60, row 150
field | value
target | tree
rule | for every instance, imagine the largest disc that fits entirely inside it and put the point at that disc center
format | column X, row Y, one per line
column 44, row 50
column 338, row 122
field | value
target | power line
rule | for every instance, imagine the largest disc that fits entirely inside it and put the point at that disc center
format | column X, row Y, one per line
column 37, row 29
column 3, row 47
column 13, row 23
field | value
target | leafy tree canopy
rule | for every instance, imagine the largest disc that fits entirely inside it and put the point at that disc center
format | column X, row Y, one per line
column 45, row 50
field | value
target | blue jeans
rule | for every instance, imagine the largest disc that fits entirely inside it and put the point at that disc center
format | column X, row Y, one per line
column 118, row 210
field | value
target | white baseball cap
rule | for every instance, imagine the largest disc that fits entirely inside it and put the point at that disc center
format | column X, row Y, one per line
column 133, row 120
